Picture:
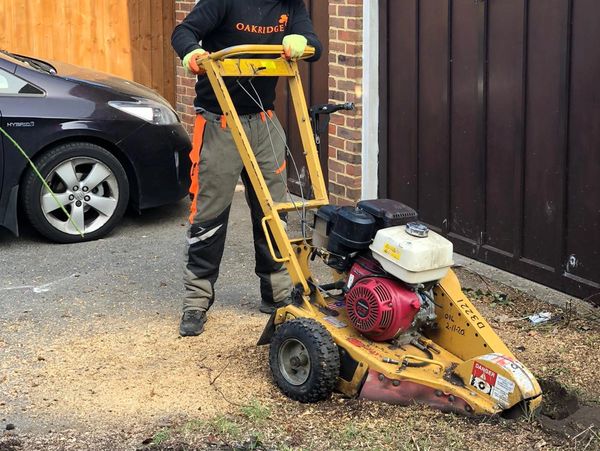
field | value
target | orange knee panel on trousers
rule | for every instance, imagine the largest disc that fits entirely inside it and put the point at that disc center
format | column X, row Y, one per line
column 195, row 155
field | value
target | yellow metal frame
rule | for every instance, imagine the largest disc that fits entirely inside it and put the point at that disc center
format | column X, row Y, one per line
column 223, row 64
column 462, row 338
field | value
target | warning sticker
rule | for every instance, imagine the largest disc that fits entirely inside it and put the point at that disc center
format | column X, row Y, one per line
column 336, row 322
column 483, row 379
column 502, row 390
column 336, row 305
column 392, row 251
column 514, row 367
column 350, row 280
column 491, row 383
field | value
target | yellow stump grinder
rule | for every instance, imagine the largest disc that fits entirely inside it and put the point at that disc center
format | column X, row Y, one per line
column 394, row 326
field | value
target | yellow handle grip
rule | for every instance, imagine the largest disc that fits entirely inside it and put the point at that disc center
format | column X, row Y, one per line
column 253, row 50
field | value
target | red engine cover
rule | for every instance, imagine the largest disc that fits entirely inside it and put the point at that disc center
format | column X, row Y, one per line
column 381, row 308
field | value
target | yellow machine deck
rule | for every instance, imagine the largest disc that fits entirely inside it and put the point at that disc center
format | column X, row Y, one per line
column 452, row 360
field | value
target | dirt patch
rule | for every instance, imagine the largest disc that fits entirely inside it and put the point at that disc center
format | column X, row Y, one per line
column 128, row 384
column 562, row 349
column 558, row 402
column 563, row 414
column 140, row 370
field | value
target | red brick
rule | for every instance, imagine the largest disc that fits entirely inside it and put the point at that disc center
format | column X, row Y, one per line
column 332, row 176
column 349, row 182
column 354, row 122
column 338, row 119
column 349, row 157
column 337, row 71
column 353, row 169
column 336, row 142
column 354, row 48
column 335, row 188
column 347, row 133
column 354, row 24
column 346, row 85
column 337, row 166
column 337, row 46
column 353, row 193
column 350, row 11
column 349, row 60
column 338, row 96
column 337, row 22
column 354, row 73
column 353, row 147
column 349, row 36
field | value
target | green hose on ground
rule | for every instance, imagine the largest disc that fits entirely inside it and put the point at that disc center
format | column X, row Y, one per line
column 37, row 173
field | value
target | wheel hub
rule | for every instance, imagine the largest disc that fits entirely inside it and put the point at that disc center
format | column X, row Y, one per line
column 294, row 362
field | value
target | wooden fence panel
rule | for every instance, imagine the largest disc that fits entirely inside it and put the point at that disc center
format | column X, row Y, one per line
column 127, row 38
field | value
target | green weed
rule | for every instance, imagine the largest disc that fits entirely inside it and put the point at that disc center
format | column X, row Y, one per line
column 256, row 412
column 161, row 436
column 225, row 426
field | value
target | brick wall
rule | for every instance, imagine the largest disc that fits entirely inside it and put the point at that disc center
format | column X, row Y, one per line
column 185, row 84
column 345, row 85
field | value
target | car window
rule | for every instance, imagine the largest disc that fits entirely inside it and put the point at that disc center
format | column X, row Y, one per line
column 12, row 85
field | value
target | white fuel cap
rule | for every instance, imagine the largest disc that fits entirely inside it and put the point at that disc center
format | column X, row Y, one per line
column 417, row 229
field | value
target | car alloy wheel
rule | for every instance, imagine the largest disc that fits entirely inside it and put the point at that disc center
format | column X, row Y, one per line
column 88, row 191
column 87, row 181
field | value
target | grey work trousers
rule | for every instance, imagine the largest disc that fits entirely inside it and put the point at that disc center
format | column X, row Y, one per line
column 216, row 169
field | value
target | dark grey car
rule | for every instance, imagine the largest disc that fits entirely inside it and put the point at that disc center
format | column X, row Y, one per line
column 102, row 143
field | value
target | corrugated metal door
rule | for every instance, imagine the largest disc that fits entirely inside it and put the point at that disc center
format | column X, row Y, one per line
column 491, row 129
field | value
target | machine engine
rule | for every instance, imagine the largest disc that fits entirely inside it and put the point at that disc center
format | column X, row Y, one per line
column 383, row 308
column 392, row 261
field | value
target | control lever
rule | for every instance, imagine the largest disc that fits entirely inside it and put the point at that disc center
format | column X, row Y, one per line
column 320, row 125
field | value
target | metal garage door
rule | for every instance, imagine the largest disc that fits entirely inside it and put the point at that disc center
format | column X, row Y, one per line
column 491, row 128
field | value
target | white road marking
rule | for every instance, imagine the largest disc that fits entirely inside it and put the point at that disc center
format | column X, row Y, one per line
column 39, row 288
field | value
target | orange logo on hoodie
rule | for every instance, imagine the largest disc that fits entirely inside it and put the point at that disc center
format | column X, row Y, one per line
column 280, row 28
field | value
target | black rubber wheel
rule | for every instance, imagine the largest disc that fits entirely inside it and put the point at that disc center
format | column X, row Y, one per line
column 304, row 360
column 89, row 182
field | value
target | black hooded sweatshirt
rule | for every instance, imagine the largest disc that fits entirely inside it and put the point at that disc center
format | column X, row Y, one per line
column 224, row 23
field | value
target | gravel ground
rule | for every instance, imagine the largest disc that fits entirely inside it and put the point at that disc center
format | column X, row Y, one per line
column 90, row 357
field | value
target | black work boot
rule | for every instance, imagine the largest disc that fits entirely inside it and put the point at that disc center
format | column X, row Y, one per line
column 271, row 307
column 192, row 323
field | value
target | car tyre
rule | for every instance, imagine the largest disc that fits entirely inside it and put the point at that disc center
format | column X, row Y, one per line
column 88, row 181
column 304, row 360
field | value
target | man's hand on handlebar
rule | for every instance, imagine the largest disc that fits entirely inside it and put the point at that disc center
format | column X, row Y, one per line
column 190, row 61
column 294, row 46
